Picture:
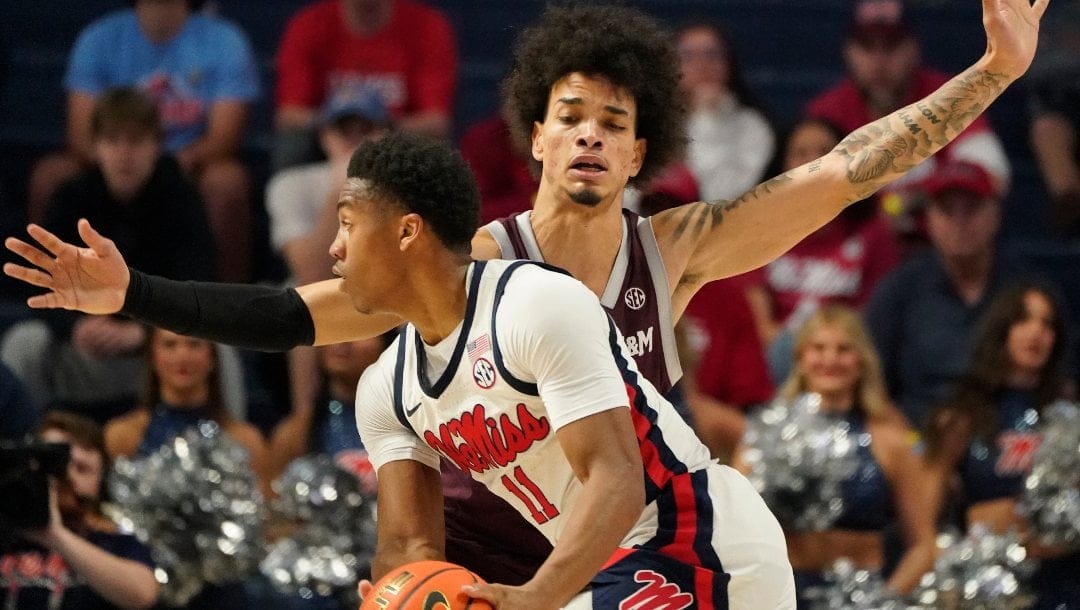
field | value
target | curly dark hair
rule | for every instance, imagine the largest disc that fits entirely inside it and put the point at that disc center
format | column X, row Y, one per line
column 425, row 176
column 619, row 44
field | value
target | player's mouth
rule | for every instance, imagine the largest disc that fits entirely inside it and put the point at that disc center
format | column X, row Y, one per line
column 587, row 167
column 337, row 271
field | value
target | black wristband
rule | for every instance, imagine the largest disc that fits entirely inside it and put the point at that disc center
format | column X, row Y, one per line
column 248, row 316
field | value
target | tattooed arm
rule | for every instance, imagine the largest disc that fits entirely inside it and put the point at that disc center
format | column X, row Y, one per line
column 705, row 241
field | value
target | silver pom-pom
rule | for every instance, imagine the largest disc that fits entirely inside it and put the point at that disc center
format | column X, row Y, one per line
column 195, row 502
column 334, row 541
column 850, row 588
column 798, row 459
column 1051, row 498
column 982, row 571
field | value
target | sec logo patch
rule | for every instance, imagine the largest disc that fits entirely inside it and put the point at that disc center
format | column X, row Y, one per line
column 483, row 373
column 634, row 298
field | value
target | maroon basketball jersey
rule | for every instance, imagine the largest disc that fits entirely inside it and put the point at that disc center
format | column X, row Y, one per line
column 636, row 295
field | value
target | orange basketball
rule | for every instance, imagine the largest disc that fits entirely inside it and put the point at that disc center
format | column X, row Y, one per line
column 424, row 585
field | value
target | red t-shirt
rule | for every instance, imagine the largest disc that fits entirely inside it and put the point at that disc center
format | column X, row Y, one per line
column 844, row 107
column 841, row 263
column 412, row 62
column 720, row 331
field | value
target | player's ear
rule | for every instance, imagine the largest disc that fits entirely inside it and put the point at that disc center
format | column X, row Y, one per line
column 409, row 229
column 639, row 156
column 538, row 141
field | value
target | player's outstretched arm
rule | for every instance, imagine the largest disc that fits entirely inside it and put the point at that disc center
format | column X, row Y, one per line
column 93, row 279
column 710, row 240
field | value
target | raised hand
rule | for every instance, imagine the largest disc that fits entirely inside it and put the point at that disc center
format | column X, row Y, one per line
column 1012, row 33
column 92, row 279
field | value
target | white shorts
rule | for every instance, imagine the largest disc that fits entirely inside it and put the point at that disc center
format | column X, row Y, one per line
column 745, row 537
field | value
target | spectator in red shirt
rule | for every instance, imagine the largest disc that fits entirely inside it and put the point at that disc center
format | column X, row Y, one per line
column 885, row 72
column 839, row 263
column 401, row 48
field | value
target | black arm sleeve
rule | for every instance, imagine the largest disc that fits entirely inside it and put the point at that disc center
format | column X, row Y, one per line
column 252, row 317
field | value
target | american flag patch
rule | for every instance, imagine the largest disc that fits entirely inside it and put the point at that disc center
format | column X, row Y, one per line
column 478, row 346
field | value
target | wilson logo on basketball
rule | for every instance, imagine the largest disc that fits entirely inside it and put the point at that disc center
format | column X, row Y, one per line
column 657, row 594
column 634, row 298
column 478, row 443
column 483, row 373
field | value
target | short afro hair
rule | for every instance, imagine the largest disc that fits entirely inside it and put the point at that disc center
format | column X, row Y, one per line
column 424, row 176
column 621, row 45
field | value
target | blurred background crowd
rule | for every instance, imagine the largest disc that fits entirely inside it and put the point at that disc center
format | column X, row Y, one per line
column 208, row 139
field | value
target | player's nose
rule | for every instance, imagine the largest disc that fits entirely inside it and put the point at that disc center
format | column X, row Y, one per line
column 337, row 247
column 590, row 135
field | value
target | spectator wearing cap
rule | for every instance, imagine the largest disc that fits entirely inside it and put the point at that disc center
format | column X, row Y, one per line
column 296, row 196
column 922, row 314
column 302, row 204
column 885, row 71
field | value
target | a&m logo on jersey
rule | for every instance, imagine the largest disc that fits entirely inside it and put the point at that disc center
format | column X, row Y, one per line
column 483, row 373
column 634, row 298
column 657, row 594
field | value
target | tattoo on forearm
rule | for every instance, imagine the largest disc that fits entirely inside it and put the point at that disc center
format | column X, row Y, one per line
column 879, row 152
column 705, row 216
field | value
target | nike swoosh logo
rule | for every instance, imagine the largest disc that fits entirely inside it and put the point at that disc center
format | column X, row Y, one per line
column 409, row 412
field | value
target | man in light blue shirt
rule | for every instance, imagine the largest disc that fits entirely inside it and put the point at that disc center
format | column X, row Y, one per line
column 198, row 67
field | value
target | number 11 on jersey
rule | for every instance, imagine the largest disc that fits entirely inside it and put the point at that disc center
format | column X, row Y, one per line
column 529, row 493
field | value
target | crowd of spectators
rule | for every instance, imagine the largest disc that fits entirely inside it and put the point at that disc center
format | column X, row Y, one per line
column 896, row 312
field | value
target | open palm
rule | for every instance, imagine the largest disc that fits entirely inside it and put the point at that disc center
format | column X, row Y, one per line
column 92, row 279
column 1012, row 33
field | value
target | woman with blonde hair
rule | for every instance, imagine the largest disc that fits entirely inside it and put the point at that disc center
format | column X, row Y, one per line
column 835, row 359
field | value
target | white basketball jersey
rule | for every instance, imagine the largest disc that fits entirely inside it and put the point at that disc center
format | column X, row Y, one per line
column 495, row 409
